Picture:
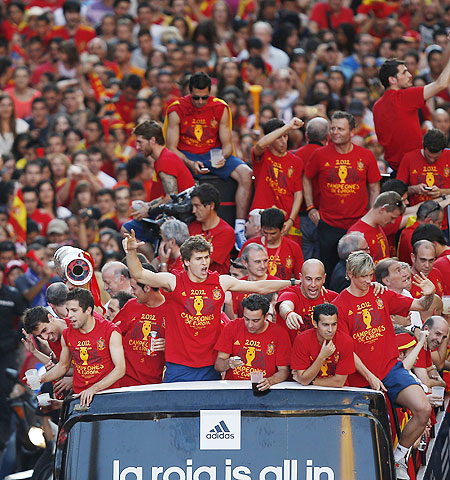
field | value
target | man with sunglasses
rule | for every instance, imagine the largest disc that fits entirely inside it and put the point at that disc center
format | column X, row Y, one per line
column 198, row 123
column 386, row 208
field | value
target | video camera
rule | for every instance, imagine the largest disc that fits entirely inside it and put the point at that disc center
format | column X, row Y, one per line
column 180, row 208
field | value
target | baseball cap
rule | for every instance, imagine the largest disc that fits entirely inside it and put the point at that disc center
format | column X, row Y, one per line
column 57, row 226
column 404, row 341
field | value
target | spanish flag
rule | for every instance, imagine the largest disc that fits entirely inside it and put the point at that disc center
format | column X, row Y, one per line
column 18, row 217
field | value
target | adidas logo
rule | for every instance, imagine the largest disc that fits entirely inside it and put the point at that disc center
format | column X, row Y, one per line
column 220, row 431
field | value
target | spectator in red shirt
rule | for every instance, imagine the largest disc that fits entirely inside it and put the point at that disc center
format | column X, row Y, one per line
column 322, row 355
column 430, row 212
column 259, row 344
column 278, row 174
column 432, row 357
column 423, row 257
column 329, row 15
column 386, row 208
column 205, row 203
column 395, row 113
column 31, row 201
column 285, row 255
column 173, row 175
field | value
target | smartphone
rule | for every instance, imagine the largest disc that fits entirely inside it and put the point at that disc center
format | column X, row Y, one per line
column 428, row 188
column 204, row 169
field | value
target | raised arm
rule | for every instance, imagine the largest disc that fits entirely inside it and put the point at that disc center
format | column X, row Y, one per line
column 164, row 280
column 423, row 303
column 262, row 287
column 268, row 139
column 440, row 84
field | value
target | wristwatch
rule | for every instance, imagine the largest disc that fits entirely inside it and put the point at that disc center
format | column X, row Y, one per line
column 293, row 281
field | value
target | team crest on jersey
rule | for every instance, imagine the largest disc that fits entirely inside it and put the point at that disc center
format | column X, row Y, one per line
column 270, row 349
column 288, row 262
column 439, row 285
column 380, row 303
column 446, row 171
column 360, row 165
column 217, row 294
column 213, row 123
column 290, row 172
column 101, row 344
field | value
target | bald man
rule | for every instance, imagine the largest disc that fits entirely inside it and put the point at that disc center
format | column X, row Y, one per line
column 441, row 121
column 432, row 359
column 295, row 305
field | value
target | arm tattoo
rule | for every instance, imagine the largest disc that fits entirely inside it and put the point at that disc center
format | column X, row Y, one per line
column 169, row 183
column 426, row 301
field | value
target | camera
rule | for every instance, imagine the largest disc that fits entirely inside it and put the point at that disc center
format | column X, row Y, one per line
column 91, row 212
column 180, row 208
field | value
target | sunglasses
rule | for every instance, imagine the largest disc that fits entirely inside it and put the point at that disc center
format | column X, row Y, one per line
column 434, row 209
column 398, row 204
column 198, row 97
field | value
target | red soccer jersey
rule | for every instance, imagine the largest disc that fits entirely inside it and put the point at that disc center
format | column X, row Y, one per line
column 436, row 277
column 82, row 36
column 277, row 180
column 261, row 351
column 285, row 261
column 193, row 320
column 171, row 164
column 391, row 231
column 237, row 297
column 399, row 133
column 305, row 153
column 367, row 320
column 222, row 239
column 303, row 306
column 424, row 359
column 326, row 19
column 404, row 244
column 137, row 321
column 343, row 180
column 199, row 127
column 414, row 169
column 42, row 219
column 307, row 348
column 90, row 354
column 443, row 265
column 375, row 238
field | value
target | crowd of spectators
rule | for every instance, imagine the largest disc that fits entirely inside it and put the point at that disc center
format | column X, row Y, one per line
column 333, row 121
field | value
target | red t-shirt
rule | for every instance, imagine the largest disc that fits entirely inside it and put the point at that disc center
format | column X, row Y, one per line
column 222, row 239
column 399, row 133
column 237, row 297
column 404, row 244
column 199, row 127
column 435, row 277
column 42, row 219
column 343, row 179
column 137, row 321
column 82, row 37
column 307, row 348
column 56, row 346
column 367, row 320
column 285, row 261
column 193, row 320
column 322, row 14
column 375, row 238
column 442, row 264
column 277, row 180
column 90, row 354
column 259, row 351
column 424, row 359
column 391, row 230
column 171, row 164
column 304, row 153
column 414, row 169
column 303, row 306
